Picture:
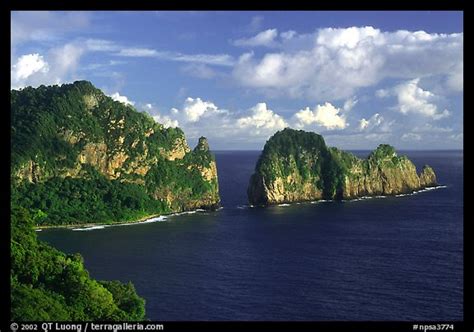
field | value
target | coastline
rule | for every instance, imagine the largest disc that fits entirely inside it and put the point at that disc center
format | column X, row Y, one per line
column 349, row 200
column 143, row 220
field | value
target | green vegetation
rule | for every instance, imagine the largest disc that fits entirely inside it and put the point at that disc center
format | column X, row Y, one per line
column 80, row 157
column 77, row 200
column 47, row 284
column 306, row 152
column 296, row 165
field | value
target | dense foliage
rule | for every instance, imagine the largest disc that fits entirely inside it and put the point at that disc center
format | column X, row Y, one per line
column 306, row 152
column 47, row 284
column 296, row 153
column 80, row 157
column 53, row 126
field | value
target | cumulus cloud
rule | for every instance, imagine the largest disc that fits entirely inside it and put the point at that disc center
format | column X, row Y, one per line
column 375, row 121
column 166, row 121
column 123, row 99
column 56, row 66
column 413, row 99
column 334, row 63
column 264, row 38
column 262, row 118
column 195, row 108
column 198, row 117
column 326, row 116
column 26, row 66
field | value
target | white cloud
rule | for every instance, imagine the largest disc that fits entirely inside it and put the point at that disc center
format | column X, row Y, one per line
column 373, row 122
column 55, row 67
column 209, row 59
column 255, row 23
column 326, row 116
column 262, row 118
column 195, row 108
column 413, row 99
column 264, row 38
column 382, row 93
column 137, row 52
column 349, row 104
column 66, row 58
column 123, row 99
column 101, row 45
column 28, row 65
column 455, row 80
column 411, row 137
column 166, row 121
column 334, row 63
column 288, row 34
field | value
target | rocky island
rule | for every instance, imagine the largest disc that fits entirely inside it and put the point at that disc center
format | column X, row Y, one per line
column 78, row 157
column 297, row 166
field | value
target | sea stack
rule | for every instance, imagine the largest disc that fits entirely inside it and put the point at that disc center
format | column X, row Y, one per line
column 297, row 166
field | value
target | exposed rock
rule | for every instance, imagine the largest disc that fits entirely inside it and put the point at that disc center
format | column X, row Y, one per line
column 427, row 177
column 178, row 151
column 298, row 166
column 99, row 135
column 94, row 154
column 203, row 145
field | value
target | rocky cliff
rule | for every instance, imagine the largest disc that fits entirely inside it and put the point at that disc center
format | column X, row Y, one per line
column 298, row 166
column 77, row 135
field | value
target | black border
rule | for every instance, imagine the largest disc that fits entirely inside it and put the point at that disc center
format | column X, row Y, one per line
column 458, row 5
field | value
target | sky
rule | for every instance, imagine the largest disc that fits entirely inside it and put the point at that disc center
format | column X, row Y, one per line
column 359, row 78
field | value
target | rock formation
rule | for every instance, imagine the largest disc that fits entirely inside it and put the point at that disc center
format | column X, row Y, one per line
column 76, row 131
column 298, row 166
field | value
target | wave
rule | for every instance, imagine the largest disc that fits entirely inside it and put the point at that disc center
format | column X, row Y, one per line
column 321, row 201
column 284, row 204
column 146, row 221
column 89, row 228
column 38, row 230
column 243, row 207
column 398, row 195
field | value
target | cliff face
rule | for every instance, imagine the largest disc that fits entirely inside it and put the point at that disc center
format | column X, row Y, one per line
column 76, row 132
column 298, row 166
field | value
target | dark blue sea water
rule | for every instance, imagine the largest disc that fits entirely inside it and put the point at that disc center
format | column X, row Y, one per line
column 398, row 258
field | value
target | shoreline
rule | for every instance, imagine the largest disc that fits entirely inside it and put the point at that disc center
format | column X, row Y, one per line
column 349, row 200
column 143, row 220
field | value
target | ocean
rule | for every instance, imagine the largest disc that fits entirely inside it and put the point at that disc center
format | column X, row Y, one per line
column 379, row 259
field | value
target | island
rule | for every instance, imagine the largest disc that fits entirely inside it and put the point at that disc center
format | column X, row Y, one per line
column 78, row 157
column 297, row 166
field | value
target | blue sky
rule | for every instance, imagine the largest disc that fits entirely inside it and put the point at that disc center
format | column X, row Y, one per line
column 358, row 78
